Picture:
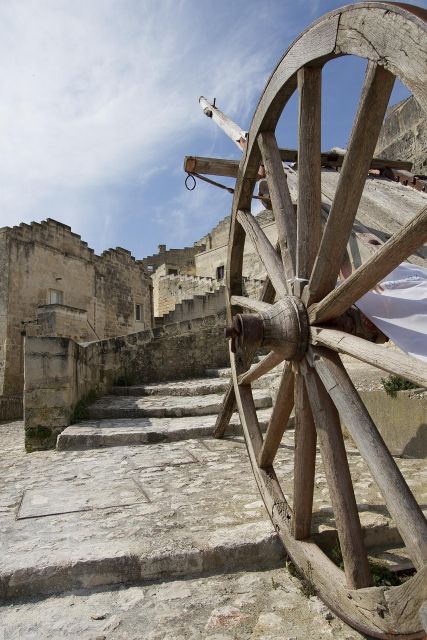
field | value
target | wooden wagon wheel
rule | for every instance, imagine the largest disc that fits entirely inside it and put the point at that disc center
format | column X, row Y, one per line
column 392, row 37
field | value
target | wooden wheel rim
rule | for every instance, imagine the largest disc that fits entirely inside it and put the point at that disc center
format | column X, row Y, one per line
column 348, row 31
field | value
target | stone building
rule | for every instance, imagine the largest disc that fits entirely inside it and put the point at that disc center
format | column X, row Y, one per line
column 53, row 284
column 404, row 135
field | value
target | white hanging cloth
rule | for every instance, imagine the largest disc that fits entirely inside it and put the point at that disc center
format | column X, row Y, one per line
column 398, row 307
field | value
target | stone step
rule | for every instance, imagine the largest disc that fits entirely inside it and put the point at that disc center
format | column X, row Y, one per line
column 165, row 406
column 225, row 372
column 93, row 518
column 194, row 387
column 128, row 431
column 72, row 519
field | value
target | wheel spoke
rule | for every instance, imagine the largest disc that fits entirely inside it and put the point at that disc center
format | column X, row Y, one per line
column 379, row 265
column 265, row 251
column 246, row 407
column 304, row 461
column 279, row 418
column 227, row 409
column 281, row 201
column 381, row 357
column 338, row 477
column 250, row 303
column 259, row 369
column 400, row 502
column 309, row 227
column 367, row 125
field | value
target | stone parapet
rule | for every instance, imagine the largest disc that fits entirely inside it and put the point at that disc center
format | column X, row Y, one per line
column 59, row 372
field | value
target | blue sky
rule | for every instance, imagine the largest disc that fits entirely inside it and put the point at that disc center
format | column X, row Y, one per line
column 99, row 106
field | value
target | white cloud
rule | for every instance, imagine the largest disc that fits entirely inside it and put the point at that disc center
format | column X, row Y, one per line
column 93, row 92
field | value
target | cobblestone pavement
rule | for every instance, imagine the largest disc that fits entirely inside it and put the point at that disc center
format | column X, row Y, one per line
column 81, row 518
column 263, row 605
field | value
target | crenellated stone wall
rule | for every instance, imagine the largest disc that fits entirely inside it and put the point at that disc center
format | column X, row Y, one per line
column 54, row 284
column 182, row 258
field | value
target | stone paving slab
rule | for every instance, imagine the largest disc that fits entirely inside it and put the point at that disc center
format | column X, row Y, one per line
column 262, row 605
column 199, row 511
column 194, row 387
column 133, row 431
column 165, row 406
column 194, row 515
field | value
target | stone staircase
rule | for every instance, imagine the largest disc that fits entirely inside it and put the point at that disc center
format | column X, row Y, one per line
column 140, row 500
column 160, row 412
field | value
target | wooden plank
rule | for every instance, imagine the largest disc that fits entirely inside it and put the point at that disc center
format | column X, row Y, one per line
column 259, row 369
column 309, row 225
column 211, row 166
column 281, row 201
column 265, row 251
column 279, row 418
column 304, row 461
column 250, row 303
column 339, row 481
column 384, row 358
column 377, row 267
column 230, row 128
column 400, row 502
column 367, row 125
column 230, row 168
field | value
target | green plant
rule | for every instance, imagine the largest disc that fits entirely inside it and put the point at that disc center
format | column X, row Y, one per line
column 393, row 384
column 381, row 574
column 307, row 586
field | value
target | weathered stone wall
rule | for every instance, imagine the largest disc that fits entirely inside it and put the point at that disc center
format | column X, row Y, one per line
column 199, row 306
column 59, row 372
column 404, row 135
column 183, row 258
column 37, row 259
column 60, row 320
column 208, row 262
column 174, row 289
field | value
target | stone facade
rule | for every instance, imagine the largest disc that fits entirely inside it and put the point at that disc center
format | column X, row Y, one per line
column 59, row 372
column 404, row 135
column 173, row 289
column 211, row 262
column 53, row 284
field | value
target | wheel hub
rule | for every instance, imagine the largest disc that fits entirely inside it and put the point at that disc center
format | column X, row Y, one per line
column 283, row 328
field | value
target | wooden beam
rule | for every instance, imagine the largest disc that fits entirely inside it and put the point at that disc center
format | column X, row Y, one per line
column 384, row 358
column 379, row 265
column 211, row 166
column 339, row 481
column 230, row 168
column 367, row 125
column 279, row 418
column 265, row 250
column 403, row 507
column 230, row 128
